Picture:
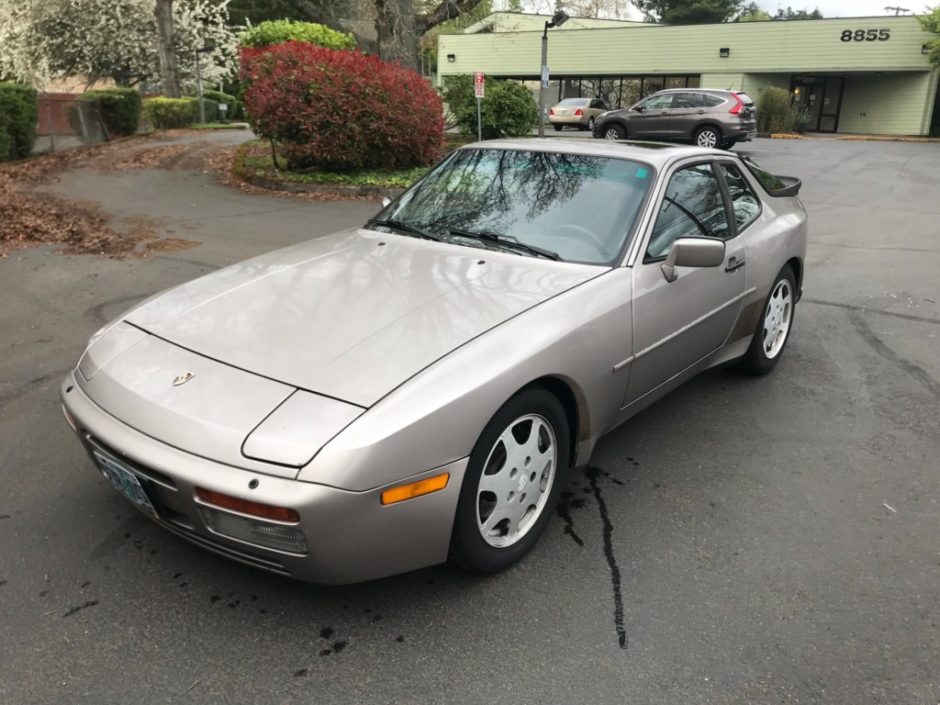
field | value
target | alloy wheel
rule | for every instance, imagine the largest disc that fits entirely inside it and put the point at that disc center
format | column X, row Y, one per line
column 516, row 481
column 777, row 318
column 707, row 138
column 612, row 134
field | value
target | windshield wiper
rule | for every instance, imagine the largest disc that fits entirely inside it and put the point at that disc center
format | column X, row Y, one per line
column 506, row 242
column 694, row 218
column 404, row 227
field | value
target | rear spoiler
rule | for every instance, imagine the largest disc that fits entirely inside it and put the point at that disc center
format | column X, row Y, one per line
column 779, row 186
column 791, row 187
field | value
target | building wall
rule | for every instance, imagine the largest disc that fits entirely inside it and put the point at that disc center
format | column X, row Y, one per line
column 756, row 47
column 888, row 104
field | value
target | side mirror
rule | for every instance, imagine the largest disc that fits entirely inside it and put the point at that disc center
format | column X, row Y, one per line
column 693, row 252
column 639, row 108
column 386, row 202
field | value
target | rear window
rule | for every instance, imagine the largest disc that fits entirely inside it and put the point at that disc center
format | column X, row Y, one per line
column 710, row 101
column 745, row 98
column 575, row 101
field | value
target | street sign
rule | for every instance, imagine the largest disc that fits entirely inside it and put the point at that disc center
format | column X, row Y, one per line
column 478, row 84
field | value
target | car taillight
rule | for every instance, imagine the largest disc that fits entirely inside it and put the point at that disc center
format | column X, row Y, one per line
column 578, row 112
column 738, row 107
column 551, row 111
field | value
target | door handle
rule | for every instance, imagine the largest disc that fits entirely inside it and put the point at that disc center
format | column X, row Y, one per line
column 734, row 264
column 700, row 112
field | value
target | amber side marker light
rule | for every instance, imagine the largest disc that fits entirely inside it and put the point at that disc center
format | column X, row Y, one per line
column 415, row 489
column 255, row 509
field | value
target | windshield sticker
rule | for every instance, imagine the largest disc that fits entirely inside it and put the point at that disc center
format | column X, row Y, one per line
column 641, row 173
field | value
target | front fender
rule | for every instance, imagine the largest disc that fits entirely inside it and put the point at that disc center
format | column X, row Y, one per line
column 436, row 417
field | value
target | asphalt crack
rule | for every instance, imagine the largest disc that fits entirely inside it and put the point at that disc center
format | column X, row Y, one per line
column 615, row 580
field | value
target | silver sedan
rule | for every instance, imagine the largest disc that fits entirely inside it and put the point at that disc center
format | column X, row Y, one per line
column 417, row 389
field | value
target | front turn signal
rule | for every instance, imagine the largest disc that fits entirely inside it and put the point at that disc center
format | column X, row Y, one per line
column 415, row 489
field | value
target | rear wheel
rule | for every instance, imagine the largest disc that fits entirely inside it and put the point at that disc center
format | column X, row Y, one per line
column 590, row 125
column 773, row 330
column 557, row 128
column 614, row 132
column 707, row 137
column 512, row 483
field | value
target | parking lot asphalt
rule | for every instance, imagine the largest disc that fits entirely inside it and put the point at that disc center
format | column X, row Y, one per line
column 777, row 539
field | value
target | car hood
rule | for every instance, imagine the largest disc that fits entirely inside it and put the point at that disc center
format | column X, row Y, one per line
column 352, row 315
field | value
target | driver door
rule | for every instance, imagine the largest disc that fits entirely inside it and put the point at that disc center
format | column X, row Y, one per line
column 676, row 324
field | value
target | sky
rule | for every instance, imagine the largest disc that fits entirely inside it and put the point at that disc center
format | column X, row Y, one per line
column 829, row 8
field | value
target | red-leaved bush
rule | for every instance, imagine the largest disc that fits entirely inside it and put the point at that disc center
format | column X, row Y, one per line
column 339, row 109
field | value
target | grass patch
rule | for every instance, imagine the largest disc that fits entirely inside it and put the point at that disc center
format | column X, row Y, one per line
column 219, row 126
column 254, row 159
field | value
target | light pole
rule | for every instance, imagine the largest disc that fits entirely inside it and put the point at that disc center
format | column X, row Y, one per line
column 202, row 104
column 558, row 19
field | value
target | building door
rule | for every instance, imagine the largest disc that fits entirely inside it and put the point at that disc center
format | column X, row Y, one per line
column 821, row 98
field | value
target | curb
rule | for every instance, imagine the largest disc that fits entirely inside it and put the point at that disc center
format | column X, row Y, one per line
column 376, row 192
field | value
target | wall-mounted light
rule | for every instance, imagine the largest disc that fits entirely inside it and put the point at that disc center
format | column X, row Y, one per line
column 724, row 52
column 451, row 58
column 924, row 48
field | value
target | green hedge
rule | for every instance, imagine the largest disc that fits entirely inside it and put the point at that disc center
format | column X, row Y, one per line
column 19, row 117
column 119, row 108
column 235, row 109
column 171, row 113
column 776, row 112
column 508, row 108
column 280, row 31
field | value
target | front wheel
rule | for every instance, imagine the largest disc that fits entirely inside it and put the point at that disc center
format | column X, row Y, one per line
column 773, row 330
column 614, row 132
column 707, row 137
column 512, row 482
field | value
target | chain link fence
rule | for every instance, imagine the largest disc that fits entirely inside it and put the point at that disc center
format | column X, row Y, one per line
column 65, row 121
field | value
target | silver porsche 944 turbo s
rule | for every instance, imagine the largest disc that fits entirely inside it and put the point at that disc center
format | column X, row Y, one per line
column 416, row 389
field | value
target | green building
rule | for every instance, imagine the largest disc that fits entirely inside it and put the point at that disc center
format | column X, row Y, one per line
column 866, row 75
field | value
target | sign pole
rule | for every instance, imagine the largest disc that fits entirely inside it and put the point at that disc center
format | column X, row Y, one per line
column 479, row 87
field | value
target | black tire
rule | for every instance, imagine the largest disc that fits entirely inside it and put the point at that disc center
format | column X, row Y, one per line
column 729, row 144
column 468, row 547
column 557, row 128
column 707, row 134
column 607, row 132
column 590, row 125
column 756, row 360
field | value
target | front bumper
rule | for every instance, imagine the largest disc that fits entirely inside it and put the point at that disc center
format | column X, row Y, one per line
column 351, row 536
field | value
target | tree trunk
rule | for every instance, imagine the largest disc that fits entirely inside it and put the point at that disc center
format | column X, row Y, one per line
column 167, row 49
column 397, row 36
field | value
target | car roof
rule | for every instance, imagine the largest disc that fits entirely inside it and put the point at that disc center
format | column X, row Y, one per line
column 699, row 90
column 656, row 153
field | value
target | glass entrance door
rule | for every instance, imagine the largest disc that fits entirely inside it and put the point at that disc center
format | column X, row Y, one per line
column 821, row 98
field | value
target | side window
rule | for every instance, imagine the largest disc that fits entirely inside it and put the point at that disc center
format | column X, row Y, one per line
column 745, row 203
column 688, row 100
column 710, row 101
column 657, row 102
column 599, row 104
column 692, row 207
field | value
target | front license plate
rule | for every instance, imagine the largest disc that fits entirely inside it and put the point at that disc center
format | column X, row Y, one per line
column 125, row 482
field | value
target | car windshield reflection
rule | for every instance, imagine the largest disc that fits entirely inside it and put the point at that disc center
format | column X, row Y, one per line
column 580, row 207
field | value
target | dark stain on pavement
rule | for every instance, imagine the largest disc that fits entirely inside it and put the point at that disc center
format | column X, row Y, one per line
column 615, row 581
column 565, row 505
column 79, row 608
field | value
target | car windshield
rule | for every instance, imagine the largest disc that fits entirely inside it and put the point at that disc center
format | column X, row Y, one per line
column 576, row 206
column 575, row 101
